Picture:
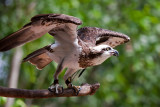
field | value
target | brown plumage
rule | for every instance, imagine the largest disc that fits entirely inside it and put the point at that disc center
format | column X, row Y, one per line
column 39, row 25
column 73, row 49
column 39, row 58
column 96, row 36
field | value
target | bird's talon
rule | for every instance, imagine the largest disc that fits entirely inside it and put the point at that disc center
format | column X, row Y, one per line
column 58, row 89
column 76, row 89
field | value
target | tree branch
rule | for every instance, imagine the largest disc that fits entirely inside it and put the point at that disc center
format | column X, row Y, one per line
column 86, row 89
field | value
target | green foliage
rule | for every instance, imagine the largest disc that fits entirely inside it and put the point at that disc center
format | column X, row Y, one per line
column 19, row 103
column 132, row 79
column 2, row 101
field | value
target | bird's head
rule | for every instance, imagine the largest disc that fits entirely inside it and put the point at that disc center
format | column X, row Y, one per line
column 106, row 50
column 109, row 51
column 102, row 52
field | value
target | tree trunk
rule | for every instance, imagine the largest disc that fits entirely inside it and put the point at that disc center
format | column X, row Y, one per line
column 14, row 73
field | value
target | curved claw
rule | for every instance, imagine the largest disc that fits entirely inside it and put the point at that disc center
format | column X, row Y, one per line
column 58, row 89
column 76, row 89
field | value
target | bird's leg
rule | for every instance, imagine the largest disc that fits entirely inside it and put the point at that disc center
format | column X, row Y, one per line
column 55, row 87
column 70, row 85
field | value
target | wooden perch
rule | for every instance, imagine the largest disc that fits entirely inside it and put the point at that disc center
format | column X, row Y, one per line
column 86, row 89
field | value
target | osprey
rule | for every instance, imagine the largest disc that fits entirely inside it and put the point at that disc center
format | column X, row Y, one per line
column 73, row 49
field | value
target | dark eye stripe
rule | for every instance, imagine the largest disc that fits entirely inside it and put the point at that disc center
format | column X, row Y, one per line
column 104, row 49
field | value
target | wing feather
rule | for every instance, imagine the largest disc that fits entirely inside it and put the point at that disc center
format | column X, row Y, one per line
column 96, row 36
column 40, row 58
column 39, row 25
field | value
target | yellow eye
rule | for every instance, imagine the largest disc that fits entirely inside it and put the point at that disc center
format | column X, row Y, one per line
column 108, row 48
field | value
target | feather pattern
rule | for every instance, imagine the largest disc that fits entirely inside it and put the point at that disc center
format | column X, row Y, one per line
column 39, row 25
column 40, row 58
column 95, row 36
column 70, row 43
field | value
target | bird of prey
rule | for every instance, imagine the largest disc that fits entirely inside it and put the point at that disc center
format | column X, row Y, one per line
column 73, row 49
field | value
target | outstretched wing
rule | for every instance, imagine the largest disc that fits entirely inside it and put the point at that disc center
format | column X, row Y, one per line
column 40, row 25
column 96, row 36
column 40, row 58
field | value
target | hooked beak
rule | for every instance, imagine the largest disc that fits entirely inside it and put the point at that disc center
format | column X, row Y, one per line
column 115, row 53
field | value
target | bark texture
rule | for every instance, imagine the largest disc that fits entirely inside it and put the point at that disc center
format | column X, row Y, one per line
column 86, row 89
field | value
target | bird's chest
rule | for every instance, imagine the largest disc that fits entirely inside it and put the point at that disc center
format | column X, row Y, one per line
column 89, row 59
column 72, row 58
